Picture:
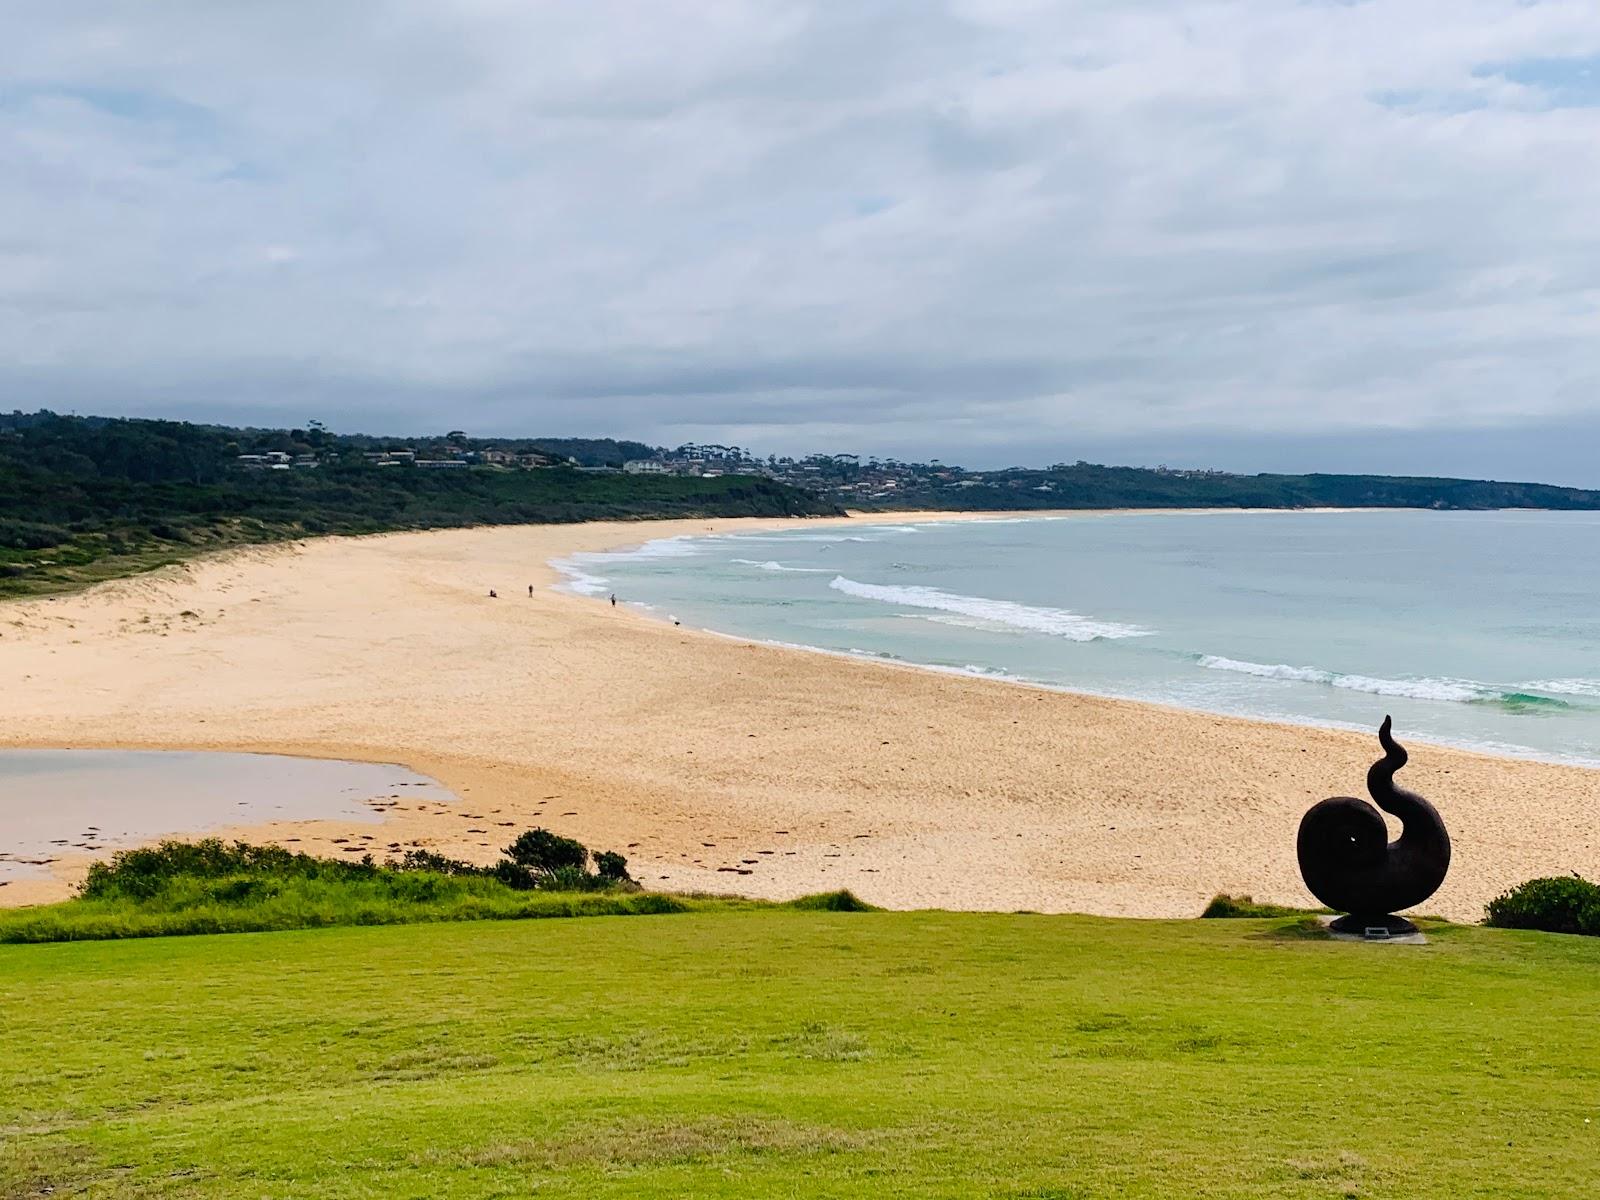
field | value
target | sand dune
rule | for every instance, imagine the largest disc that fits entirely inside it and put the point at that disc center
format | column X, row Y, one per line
column 702, row 757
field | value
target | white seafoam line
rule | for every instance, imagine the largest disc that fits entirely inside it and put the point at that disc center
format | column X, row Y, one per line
column 1566, row 687
column 1057, row 622
column 1457, row 690
column 770, row 565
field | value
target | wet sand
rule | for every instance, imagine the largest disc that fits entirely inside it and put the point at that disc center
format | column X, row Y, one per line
column 714, row 763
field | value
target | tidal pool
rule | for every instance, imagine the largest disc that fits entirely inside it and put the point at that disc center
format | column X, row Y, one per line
column 56, row 802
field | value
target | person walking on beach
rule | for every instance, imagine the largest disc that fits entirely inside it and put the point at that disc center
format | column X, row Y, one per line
column 530, row 590
column 613, row 599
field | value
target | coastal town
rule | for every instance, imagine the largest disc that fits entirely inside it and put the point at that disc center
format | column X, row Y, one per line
column 839, row 476
column 850, row 480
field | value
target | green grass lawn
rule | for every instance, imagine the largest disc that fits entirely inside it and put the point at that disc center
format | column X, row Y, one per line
column 771, row 1052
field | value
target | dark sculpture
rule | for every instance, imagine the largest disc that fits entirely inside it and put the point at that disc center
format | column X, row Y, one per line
column 1350, row 864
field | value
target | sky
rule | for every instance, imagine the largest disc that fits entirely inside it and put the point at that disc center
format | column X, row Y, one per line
column 1253, row 234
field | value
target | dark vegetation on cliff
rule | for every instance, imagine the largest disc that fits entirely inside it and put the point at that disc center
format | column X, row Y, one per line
column 84, row 499
column 90, row 498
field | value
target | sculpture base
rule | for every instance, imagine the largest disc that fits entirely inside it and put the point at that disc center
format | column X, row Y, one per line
column 1385, row 928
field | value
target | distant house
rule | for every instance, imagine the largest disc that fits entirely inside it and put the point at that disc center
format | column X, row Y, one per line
column 270, row 461
column 441, row 463
column 644, row 466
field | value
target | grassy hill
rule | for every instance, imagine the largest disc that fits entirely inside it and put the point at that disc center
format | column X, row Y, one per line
column 803, row 1054
column 84, row 499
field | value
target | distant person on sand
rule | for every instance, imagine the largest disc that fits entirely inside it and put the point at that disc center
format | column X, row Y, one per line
column 492, row 596
column 530, row 589
column 613, row 599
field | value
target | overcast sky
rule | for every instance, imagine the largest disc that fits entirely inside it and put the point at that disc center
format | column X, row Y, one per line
column 1260, row 234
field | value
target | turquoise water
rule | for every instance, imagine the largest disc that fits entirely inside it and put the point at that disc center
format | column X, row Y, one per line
column 1475, row 629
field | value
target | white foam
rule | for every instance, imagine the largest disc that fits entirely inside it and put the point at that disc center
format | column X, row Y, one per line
column 585, row 583
column 1058, row 622
column 578, row 580
column 1565, row 687
column 769, row 565
column 672, row 547
column 1456, row 690
column 799, row 537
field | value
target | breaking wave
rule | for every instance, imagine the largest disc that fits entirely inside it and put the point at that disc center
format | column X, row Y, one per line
column 1567, row 687
column 672, row 547
column 582, row 580
column 1457, row 691
column 578, row 580
column 1058, row 622
column 797, row 537
column 769, row 565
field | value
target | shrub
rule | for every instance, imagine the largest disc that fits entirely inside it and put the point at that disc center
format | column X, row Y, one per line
column 544, row 852
column 427, row 860
column 515, row 875
column 237, row 873
column 1224, row 905
column 1562, row 904
column 571, row 879
column 146, row 871
column 30, row 535
column 840, row 901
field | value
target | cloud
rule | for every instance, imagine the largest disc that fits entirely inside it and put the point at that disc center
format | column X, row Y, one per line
column 983, row 223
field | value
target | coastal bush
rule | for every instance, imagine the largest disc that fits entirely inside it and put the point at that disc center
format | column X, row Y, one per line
column 427, row 860
column 543, row 852
column 843, row 900
column 212, row 886
column 514, row 875
column 573, row 879
column 1224, row 905
column 143, row 872
column 537, row 859
column 30, row 535
column 1560, row 904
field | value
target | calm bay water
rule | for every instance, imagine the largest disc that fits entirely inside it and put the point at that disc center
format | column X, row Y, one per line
column 1477, row 629
column 55, row 802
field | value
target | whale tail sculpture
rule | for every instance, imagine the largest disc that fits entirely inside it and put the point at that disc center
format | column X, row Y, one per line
column 1350, row 864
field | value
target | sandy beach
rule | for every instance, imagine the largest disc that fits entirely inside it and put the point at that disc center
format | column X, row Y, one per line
column 716, row 764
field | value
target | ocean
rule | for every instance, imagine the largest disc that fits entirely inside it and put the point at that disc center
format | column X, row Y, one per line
column 1473, row 629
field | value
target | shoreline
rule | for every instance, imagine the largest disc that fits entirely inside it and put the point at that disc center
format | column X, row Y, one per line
column 572, row 584
column 713, row 762
column 1522, row 754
